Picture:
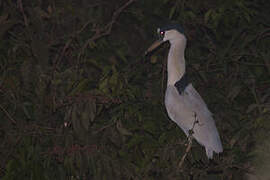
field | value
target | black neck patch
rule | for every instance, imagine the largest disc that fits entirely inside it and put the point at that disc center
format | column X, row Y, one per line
column 182, row 84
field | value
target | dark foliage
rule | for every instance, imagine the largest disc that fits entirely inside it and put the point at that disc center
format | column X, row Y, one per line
column 80, row 101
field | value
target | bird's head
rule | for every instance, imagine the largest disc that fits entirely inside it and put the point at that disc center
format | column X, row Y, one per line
column 172, row 33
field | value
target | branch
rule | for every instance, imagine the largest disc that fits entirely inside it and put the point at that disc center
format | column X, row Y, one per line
column 100, row 32
column 8, row 115
column 20, row 6
column 190, row 138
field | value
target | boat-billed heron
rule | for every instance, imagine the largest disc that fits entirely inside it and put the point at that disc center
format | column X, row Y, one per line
column 183, row 103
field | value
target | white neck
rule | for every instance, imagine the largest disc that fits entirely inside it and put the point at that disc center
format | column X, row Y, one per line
column 176, row 60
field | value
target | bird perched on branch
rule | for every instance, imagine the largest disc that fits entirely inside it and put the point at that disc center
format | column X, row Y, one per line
column 183, row 103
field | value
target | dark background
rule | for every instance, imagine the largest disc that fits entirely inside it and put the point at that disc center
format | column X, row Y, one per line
column 78, row 99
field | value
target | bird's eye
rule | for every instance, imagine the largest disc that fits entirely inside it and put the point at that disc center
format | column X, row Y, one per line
column 161, row 34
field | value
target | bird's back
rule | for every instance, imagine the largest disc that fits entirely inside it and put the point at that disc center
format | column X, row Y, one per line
column 185, row 108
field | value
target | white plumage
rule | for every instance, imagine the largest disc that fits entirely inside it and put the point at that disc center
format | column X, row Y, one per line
column 184, row 103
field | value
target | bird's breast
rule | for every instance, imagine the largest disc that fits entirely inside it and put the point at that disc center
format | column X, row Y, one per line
column 176, row 107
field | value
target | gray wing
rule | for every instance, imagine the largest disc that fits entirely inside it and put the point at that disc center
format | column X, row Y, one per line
column 182, row 108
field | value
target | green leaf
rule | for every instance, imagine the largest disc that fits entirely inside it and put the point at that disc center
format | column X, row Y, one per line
column 136, row 140
column 172, row 11
column 150, row 126
column 80, row 87
column 207, row 15
column 103, row 85
column 121, row 54
column 121, row 129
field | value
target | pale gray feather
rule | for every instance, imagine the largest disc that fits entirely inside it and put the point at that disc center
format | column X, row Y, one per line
column 182, row 109
column 186, row 107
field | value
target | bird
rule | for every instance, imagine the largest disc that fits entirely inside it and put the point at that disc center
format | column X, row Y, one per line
column 183, row 103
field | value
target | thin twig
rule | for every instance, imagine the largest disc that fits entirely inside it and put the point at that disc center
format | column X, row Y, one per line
column 59, row 57
column 190, row 138
column 186, row 152
column 105, row 127
column 100, row 32
column 19, row 2
column 8, row 115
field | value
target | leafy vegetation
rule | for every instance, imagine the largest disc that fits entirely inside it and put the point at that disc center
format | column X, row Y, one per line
column 80, row 101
